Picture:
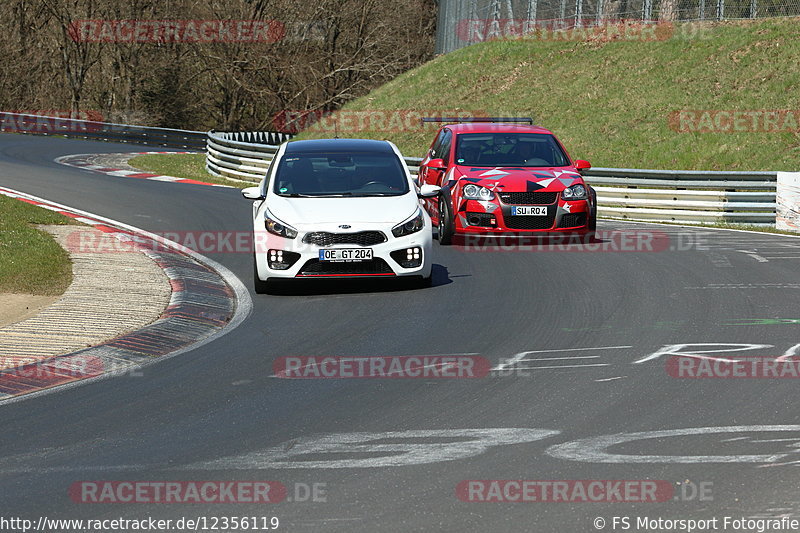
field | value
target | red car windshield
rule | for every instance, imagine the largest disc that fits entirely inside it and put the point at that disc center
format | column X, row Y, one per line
column 509, row 150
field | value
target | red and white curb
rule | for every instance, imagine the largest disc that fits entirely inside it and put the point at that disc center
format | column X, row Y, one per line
column 84, row 161
column 207, row 301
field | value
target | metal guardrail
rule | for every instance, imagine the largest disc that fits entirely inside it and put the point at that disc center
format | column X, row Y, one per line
column 691, row 196
column 101, row 131
column 685, row 195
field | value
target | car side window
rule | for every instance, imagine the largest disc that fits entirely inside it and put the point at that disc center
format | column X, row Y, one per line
column 444, row 150
column 267, row 175
column 437, row 144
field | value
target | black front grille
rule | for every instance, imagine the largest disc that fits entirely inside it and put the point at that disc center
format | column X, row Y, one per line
column 572, row 220
column 530, row 222
column 529, row 198
column 315, row 267
column 361, row 238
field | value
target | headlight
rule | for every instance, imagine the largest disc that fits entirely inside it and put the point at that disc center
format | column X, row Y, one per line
column 412, row 225
column 476, row 192
column 276, row 227
column 576, row 192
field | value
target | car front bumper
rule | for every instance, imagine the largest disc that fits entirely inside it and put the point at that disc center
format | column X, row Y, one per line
column 305, row 257
column 493, row 216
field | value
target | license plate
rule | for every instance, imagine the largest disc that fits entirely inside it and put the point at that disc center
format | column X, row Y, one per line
column 346, row 254
column 535, row 210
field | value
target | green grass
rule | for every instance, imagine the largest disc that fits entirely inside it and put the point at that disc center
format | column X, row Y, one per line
column 610, row 101
column 31, row 261
column 191, row 166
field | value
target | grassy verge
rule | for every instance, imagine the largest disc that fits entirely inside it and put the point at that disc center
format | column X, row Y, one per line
column 190, row 166
column 610, row 102
column 31, row 261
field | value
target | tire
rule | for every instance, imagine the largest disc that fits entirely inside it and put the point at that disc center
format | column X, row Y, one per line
column 592, row 226
column 446, row 222
column 260, row 286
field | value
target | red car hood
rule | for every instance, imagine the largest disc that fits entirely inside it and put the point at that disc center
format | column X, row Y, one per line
column 518, row 179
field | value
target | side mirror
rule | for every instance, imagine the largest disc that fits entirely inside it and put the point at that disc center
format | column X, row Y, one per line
column 252, row 193
column 436, row 164
column 580, row 164
column 429, row 191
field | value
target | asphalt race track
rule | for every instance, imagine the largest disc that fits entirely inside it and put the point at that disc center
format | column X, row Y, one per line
column 217, row 412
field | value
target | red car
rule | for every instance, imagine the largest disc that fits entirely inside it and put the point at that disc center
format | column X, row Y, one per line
column 503, row 177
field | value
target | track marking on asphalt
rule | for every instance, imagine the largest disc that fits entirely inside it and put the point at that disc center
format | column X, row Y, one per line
column 687, row 351
column 595, row 449
column 560, row 358
column 406, row 451
column 609, row 379
column 558, row 366
column 754, row 255
column 420, row 447
column 791, row 352
column 719, row 260
column 522, row 355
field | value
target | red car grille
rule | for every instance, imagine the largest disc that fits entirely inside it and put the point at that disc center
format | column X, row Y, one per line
column 528, row 198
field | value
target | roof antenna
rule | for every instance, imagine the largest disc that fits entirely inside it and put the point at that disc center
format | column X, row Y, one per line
column 336, row 127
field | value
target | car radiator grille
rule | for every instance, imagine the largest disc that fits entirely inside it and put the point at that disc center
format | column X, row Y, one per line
column 528, row 198
column 530, row 222
column 361, row 238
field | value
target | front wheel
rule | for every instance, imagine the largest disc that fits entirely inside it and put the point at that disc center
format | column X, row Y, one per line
column 446, row 222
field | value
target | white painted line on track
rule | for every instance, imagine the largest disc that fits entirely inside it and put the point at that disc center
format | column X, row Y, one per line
column 559, row 358
column 520, row 356
column 558, row 366
column 597, row 449
column 609, row 379
column 791, row 352
column 754, row 255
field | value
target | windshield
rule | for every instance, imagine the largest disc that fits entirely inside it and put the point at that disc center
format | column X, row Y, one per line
column 509, row 150
column 340, row 174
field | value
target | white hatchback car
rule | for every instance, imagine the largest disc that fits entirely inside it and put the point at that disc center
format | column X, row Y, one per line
column 339, row 208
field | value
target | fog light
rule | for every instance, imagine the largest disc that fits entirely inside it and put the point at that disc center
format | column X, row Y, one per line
column 281, row 260
column 408, row 258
